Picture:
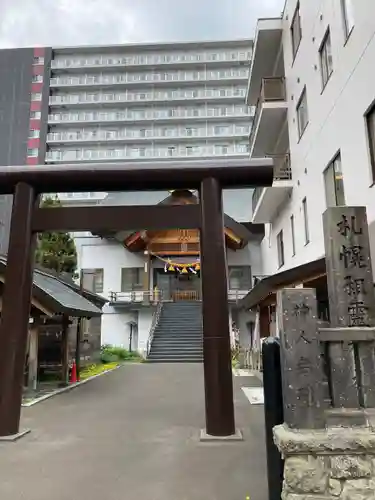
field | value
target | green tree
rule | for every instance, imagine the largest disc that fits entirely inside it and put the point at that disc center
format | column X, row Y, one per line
column 56, row 250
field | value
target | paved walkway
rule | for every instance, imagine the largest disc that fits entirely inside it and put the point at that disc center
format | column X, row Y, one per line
column 133, row 435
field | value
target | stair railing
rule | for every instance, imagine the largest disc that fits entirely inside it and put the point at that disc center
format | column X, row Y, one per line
column 154, row 324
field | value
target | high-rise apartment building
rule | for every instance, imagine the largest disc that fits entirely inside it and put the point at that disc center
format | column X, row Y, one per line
column 148, row 102
column 114, row 103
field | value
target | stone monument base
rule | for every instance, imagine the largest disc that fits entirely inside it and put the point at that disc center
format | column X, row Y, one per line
column 332, row 464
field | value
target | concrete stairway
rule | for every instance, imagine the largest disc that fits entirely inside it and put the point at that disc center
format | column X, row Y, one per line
column 178, row 337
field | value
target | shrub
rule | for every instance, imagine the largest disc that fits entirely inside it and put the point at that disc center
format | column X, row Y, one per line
column 111, row 354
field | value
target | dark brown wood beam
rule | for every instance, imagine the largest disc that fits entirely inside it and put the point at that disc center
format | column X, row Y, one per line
column 150, row 217
column 16, row 304
column 216, row 337
column 138, row 176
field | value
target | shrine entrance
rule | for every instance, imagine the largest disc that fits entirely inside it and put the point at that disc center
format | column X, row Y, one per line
column 173, row 255
column 175, row 285
column 27, row 183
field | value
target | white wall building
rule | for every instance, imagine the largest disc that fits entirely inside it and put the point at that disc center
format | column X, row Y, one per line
column 312, row 79
column 106, row 264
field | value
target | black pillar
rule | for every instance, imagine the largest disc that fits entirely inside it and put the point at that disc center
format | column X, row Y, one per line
column 273, row 413
column 65, row 350
column 16, row 309
column 216, row 337
column 78, row 348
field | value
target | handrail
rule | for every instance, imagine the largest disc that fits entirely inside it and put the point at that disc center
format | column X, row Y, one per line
column 131, row 296
column 154, row 324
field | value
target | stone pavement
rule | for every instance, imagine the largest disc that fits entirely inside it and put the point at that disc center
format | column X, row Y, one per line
column 133, row 435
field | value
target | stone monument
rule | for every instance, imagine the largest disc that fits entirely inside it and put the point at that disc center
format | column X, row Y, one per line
column 328, row 437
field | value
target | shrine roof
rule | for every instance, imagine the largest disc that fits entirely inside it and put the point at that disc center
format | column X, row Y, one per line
column 59, row 297
column 245, row 231
column 270, row 284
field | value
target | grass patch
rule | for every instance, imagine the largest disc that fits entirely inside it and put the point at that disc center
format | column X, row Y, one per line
column 97, row 369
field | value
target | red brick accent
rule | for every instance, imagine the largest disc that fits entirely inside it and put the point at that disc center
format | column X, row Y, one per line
column 33, row 143
column 35, row 124
column 38, row 69
column 37, row 87
column 32, row 160
column 39, row 51
column 36, row 106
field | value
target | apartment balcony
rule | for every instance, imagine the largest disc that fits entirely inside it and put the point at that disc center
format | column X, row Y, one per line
column 131, row 100
column 267, row 52
column 112, row 62
column 95, row 155
column 270, row 114
column 267, row 201
column 125, row 81
column 67, row 119
column 102, row 136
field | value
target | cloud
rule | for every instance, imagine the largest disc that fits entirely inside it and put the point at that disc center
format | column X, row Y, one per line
column 79, row 22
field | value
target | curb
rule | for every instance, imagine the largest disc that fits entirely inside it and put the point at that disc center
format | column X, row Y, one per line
column 251, row 373
column 68, row 388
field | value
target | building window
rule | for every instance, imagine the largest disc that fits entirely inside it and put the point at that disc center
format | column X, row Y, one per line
column 35, row 115
column 325, row 56
column 280, row 248
column 34, row 134
column 296, row 30
column 32, row 153
column 306, row 221
column 93, row 280
column 292, row 233
column 131, row 278
column 38, row 60
column 302, row 113
column 36, row 97
column 239, row 277
column 347, row 16
column 37, row 79
column 334, row 183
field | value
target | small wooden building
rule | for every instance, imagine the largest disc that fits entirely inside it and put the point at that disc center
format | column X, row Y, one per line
column 57, row 304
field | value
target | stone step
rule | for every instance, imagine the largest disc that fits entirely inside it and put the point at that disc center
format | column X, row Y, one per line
column 176, row 355
column 178, row 328
column 179, row 337
column 179, row 349
column 187, row 323
column 181, row 319
column 170, row 343
column 178, row 331
column 176, row 360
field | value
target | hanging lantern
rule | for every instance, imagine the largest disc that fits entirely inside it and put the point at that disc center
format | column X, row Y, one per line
column 197, row 266
column 184, row 270
column 170, row 268
column 192, row 270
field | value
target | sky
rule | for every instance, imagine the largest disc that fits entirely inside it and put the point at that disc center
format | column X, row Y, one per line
column 26, row 23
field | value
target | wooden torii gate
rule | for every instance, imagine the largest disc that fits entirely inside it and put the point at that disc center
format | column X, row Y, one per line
column 209, row 177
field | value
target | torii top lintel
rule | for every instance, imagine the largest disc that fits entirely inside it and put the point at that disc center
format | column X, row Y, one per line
column 138, row 176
